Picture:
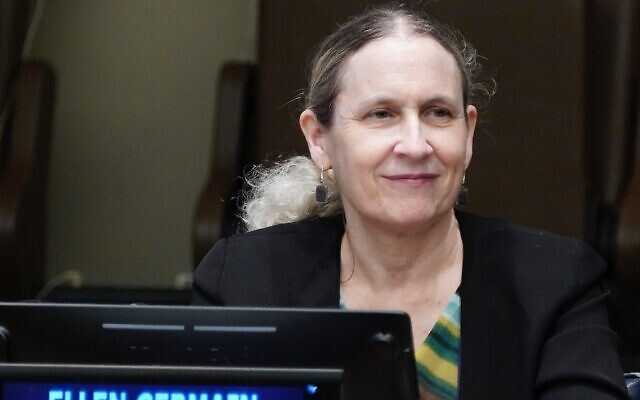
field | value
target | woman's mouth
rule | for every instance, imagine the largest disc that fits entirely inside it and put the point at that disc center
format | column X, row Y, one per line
column 413, row 179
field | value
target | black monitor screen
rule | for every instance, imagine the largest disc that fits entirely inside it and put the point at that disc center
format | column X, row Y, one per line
column 87, row 352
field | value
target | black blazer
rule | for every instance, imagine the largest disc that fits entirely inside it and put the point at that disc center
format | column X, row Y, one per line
column 534, row 323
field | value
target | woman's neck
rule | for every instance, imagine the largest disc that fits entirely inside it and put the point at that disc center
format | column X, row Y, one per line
column 383, row 259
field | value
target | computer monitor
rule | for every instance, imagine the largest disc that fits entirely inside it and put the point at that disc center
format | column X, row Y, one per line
column 108, row 352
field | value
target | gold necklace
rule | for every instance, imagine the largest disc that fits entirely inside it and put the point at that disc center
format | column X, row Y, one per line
column 353, row 259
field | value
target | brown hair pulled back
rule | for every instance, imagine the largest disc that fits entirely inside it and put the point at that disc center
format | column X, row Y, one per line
column 328, row 60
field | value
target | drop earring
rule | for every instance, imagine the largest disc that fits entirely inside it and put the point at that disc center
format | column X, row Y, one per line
column 463, row 194
column 321, row 189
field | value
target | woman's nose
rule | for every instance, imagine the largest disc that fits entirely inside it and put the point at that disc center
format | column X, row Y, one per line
column 413, row 141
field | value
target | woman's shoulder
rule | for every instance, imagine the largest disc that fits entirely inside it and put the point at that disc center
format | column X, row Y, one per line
column 262, row 266
column 309, row 226
column 475, row 227
column 529, row 252
column 544, row 299
column 299, row 236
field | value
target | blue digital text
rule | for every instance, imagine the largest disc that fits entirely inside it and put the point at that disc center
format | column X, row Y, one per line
column 61, row 394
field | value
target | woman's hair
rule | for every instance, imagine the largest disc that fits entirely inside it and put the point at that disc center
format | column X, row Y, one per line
column 286, row 191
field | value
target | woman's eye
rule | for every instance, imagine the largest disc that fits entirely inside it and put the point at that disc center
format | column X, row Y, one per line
column 440, row 113
column 380, row 114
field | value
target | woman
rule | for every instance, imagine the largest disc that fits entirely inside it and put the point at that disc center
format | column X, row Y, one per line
column 369, row 223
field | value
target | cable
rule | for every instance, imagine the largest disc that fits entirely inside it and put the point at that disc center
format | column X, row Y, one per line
column 71, row 276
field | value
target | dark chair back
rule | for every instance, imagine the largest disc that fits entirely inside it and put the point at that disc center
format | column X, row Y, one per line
column 215, row 212
column 26, row 104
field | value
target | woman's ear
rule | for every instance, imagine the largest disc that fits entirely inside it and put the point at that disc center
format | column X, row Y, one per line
column 472, row 119
column 317, row 138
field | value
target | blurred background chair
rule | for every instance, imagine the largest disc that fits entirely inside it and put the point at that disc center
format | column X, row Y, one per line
column 26, row 102
column 613, row 157
column 216, row 210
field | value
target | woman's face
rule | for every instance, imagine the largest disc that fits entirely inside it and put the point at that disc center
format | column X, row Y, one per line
column 399, row 142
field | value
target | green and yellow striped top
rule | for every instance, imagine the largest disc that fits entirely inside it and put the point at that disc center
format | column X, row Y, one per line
column 438, row 357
